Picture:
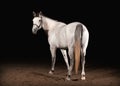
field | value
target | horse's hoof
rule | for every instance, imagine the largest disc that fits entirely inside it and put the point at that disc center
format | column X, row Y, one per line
column 68, row 78
column 51, row 72
column 83, row 78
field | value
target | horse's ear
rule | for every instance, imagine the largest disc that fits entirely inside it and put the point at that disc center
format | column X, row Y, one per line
column 40, row 13
column 34, row 14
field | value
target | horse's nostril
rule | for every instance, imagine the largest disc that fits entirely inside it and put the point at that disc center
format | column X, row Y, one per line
column 35, row 31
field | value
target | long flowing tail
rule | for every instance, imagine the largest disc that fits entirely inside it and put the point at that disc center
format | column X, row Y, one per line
column 78, row 40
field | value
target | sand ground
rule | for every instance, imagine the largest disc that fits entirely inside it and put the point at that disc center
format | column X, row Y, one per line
column 16, row 74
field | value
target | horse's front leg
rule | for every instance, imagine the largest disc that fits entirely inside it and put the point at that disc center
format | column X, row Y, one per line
column 53, row 55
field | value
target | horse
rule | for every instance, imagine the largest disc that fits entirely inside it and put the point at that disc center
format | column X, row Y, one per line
column 72, row 37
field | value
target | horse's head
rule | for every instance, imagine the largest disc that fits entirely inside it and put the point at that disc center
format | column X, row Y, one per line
column 37, row 22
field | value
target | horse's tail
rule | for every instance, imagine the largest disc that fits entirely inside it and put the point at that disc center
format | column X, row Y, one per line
column 78, row 40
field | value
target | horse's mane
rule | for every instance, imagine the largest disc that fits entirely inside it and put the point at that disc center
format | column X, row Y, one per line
column 50, row 18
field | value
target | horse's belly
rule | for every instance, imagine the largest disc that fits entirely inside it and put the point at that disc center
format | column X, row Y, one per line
column 58, row 40
column 58, row 44
column 62, row 44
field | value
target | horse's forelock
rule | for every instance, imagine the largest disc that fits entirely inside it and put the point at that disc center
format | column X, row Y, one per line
column 37, row 15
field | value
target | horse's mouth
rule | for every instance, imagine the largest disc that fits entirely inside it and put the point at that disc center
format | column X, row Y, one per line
column 34, row 31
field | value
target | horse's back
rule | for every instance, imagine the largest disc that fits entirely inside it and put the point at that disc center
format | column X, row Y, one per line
column 73, row 25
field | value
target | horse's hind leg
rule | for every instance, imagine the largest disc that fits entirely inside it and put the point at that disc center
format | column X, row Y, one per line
column 83, row 64
column 64, row 53
column 53, row 53
column 83, row 53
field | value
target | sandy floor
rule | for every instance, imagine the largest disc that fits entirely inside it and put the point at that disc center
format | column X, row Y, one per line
column 37, row 75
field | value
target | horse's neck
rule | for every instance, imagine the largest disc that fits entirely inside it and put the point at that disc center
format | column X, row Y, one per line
column 48, row 24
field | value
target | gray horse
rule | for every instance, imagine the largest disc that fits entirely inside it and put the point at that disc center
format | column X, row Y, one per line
column 73, row 36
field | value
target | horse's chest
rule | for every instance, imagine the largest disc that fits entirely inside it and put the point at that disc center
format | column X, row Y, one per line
column 58, row 39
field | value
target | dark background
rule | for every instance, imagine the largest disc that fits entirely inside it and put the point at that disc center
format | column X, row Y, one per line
column 18, row 44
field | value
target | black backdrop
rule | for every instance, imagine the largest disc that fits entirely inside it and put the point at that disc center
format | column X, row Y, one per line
column 18, row 42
